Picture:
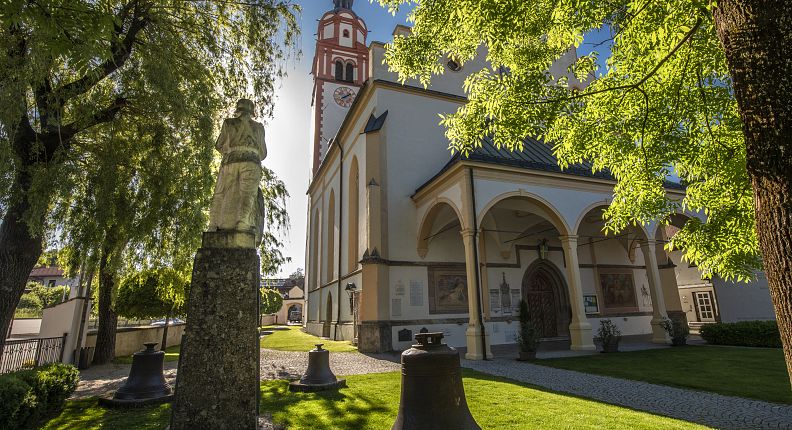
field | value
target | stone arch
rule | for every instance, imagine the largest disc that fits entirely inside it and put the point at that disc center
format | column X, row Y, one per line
column 639, row 231
column 549, row 211
column 429, row 218
column 545, row 291
column 353, row 207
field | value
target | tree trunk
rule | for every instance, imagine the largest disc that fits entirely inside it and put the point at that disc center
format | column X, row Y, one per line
column 108, row 319
column 19, row 248
column 164, row 343
column 757, row 38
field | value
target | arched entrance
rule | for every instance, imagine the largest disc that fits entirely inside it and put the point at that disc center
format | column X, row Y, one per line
column 328, row 316
column 544, row 290
column 294, row 314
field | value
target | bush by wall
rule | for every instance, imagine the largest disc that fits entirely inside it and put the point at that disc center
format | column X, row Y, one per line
column 743, row 333
column 29, row 395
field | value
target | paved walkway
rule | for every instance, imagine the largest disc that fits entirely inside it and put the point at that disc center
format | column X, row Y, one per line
column 714, row 410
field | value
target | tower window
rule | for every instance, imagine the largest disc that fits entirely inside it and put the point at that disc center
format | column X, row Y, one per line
column 350, row 72
column 339, row 70
column 454, row 66
column 346, row 33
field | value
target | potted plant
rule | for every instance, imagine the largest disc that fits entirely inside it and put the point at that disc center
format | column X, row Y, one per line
column 677, row 330
column 609, row 335
column 528, row 336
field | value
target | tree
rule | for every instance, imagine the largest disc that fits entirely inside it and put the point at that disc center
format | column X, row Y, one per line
column 693, row 88
column 271, row 301
column 277, row 223
column 48, row 296
column 153, row 293
column 72, row 68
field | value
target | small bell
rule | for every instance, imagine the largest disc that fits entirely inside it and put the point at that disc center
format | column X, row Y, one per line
column 146, row 380
column 432, row 395
column 318, row 376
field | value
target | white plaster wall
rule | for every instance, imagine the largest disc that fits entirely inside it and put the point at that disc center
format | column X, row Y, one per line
column 403, row 279
column 453, row 334
column 332, row 114
column 740, row 301
column 416, row 151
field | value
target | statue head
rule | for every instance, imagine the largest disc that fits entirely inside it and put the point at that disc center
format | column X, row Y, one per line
column 245, row 106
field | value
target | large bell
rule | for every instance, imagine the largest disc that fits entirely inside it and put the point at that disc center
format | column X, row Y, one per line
column 432, row 396
column 146, row 380
column 318, row 376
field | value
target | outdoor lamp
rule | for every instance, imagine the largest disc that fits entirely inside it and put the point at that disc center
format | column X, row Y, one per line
column 350, row 289
column 543, row 249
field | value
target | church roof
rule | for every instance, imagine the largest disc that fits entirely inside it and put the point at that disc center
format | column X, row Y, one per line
column 534, row 155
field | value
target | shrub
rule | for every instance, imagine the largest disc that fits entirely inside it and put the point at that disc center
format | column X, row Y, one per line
column 608, row 332
column 29, row 395
column 677, row 330
column 30, row 301
column 743, row 333
column 528, row 336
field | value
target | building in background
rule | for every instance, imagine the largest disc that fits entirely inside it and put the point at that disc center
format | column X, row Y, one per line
column 293, row 292
column 403, row 236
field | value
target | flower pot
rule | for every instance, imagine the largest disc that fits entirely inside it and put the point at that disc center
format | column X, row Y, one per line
column 527, row 355
column 610, row 347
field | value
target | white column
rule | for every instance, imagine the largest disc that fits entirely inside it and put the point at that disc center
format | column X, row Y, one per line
column 579, row 329
column 659, row 335
column 474, row 333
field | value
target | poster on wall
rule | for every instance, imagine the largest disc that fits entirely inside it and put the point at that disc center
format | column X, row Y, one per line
column 590, row 304
column 494, row 299
column 448, row 290
column 516, row 296
column 416, row 293
column 618, row 291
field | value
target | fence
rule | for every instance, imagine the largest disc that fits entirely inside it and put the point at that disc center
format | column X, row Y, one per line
column 29, row 353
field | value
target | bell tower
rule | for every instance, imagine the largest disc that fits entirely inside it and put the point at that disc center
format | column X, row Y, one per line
column 340, row 67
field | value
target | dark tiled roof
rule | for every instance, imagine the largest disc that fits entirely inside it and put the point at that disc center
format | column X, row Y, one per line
column 41, row 272
column 375, row 123
column 534, row 155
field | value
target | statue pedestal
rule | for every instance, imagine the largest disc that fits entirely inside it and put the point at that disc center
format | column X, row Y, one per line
column 217, row 385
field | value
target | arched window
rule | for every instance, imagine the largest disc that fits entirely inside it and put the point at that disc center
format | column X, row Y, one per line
column 315, row 260
column 350, row 72
column 331, row 229
column 346, row 33
column 353, row 255
column 339, row 70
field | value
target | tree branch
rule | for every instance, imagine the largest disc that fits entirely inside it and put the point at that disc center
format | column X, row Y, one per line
column 120, row 53
column 61, row 136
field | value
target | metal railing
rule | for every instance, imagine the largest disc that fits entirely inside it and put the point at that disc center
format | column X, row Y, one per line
column 30, row 353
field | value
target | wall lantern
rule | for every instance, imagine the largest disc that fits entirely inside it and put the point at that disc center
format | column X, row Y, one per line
column 543, row 249
column 350, row 289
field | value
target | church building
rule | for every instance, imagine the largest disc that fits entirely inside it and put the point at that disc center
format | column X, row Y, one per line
column 403, row 236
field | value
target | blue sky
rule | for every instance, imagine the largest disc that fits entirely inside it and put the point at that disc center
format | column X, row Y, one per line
column 288, row 131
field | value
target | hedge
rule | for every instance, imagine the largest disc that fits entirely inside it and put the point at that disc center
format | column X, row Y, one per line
column 743, row 333
column 28, row 396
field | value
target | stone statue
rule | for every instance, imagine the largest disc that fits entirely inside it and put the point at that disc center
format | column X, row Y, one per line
column 238, row 202
column 344, row 4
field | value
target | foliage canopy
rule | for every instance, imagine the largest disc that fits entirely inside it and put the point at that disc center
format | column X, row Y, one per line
column 152, row 293
column 660, row 106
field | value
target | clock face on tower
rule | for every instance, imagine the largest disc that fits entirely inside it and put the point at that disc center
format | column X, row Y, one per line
column 344, row 96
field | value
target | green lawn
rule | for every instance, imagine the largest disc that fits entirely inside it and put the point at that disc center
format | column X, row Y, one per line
column 371, row 402
column 294, row 339
column 171, row 354
column 756, row 373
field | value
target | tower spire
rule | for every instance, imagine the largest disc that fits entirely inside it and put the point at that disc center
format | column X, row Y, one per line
column 343, row 4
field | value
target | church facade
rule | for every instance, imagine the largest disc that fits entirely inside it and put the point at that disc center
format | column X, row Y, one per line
column 403, row 236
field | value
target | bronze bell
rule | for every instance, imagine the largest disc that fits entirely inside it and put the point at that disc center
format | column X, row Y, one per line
column 432, row 396
column 318, row 376
column 146, row 379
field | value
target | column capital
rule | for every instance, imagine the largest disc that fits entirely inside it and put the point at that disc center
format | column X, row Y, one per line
column 467, row 232
column 648, row 242
column 568, row 239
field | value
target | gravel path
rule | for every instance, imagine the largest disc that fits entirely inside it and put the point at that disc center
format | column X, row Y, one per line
column 99, row 380
column 291, row 365
column 705, row 408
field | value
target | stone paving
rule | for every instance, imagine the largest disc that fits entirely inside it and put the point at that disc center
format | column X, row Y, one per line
column 714, row 410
